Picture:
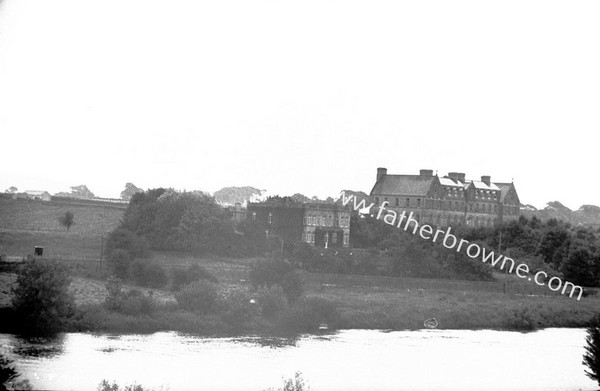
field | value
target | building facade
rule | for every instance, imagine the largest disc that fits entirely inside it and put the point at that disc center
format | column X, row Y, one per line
column 448, row 200
column 318, row 224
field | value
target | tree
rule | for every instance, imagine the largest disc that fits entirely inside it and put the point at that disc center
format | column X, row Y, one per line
column 80, row 191
column 67, row 219
column 12, row 190
column 130, row 190
column 41, row 298
column 580, row 267
column 591, row 358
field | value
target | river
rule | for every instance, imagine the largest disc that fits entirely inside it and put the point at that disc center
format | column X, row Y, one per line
column 347, row 360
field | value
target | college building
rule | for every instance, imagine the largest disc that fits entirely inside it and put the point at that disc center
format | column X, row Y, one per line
column 319, row 224
column 448, row 200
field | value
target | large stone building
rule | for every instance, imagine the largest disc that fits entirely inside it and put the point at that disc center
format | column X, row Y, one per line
column 319, row 224
column 448, row 200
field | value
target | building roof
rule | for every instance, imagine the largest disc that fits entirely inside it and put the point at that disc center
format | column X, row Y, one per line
column 504, row 188
column 484, row 186
column 36, row 192
column 410, row 185
column 445, row 181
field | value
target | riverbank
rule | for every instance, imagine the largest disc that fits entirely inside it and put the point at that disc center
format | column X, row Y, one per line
column 335, row 307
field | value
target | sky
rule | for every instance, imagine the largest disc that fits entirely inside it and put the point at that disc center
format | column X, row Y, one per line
column 303, row 96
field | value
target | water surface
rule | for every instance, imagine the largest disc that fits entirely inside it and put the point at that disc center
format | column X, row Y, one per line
column 347, row 360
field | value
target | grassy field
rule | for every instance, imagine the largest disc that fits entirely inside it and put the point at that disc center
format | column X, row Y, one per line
column 27, row 223
column 392, row 309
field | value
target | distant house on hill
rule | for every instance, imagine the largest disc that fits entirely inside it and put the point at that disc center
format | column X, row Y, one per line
column 38, row 195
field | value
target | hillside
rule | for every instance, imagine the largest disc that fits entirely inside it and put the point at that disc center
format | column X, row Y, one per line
column 28, row 223
column 585, row 215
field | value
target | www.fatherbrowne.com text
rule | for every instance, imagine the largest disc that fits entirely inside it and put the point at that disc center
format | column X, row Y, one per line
column 473, row 250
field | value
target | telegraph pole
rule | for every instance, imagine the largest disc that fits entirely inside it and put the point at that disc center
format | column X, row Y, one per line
column 101, row 250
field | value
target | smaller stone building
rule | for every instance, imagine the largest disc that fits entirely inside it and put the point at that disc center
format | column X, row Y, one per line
column 319, row 224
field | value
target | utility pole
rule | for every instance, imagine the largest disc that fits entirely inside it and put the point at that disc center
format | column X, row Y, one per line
column 101, row 250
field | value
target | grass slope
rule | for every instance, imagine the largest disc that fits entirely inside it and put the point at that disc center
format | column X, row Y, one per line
column 27, row 223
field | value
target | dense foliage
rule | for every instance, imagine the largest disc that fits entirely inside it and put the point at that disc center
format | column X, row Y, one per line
column 41, row 299
column 165, row 219
column 276, row 272
column 553, row 246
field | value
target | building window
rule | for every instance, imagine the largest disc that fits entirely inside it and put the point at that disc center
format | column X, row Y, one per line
column 334, row 237
column 397, row 201
column 304, row 236
column 408, row 202
column 346, row 237
column 377, row 200
column 418, row 202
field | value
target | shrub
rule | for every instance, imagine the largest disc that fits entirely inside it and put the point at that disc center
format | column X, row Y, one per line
column 238, row 308
column 115, row 296
column 135, row 303
column 106, row 386
column 269, row 273
column 199, row 296
column 272, row 301
column 120, row 263
column 41, row 299
column 125, row 240
column 181, row 277
column 148, row 274
column 591, row 359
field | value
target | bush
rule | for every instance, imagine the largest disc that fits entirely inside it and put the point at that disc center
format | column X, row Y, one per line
column 125, row 240
column 181, row 277
column 269, row 273
column 591, row 359
column 41, row 299
column 272, row 301
column 120, row 263
column 148, row 274
column 135, row 303
column 199, row 296
column 238, row 308
column 106, row 386
column 115, row 296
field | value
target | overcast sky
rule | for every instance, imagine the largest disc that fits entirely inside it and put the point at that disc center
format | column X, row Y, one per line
column 305, row 96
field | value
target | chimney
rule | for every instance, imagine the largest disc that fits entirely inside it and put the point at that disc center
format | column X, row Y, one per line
column 457, row 176
column 381, row 172
column 486, row 179
column 426, row 172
